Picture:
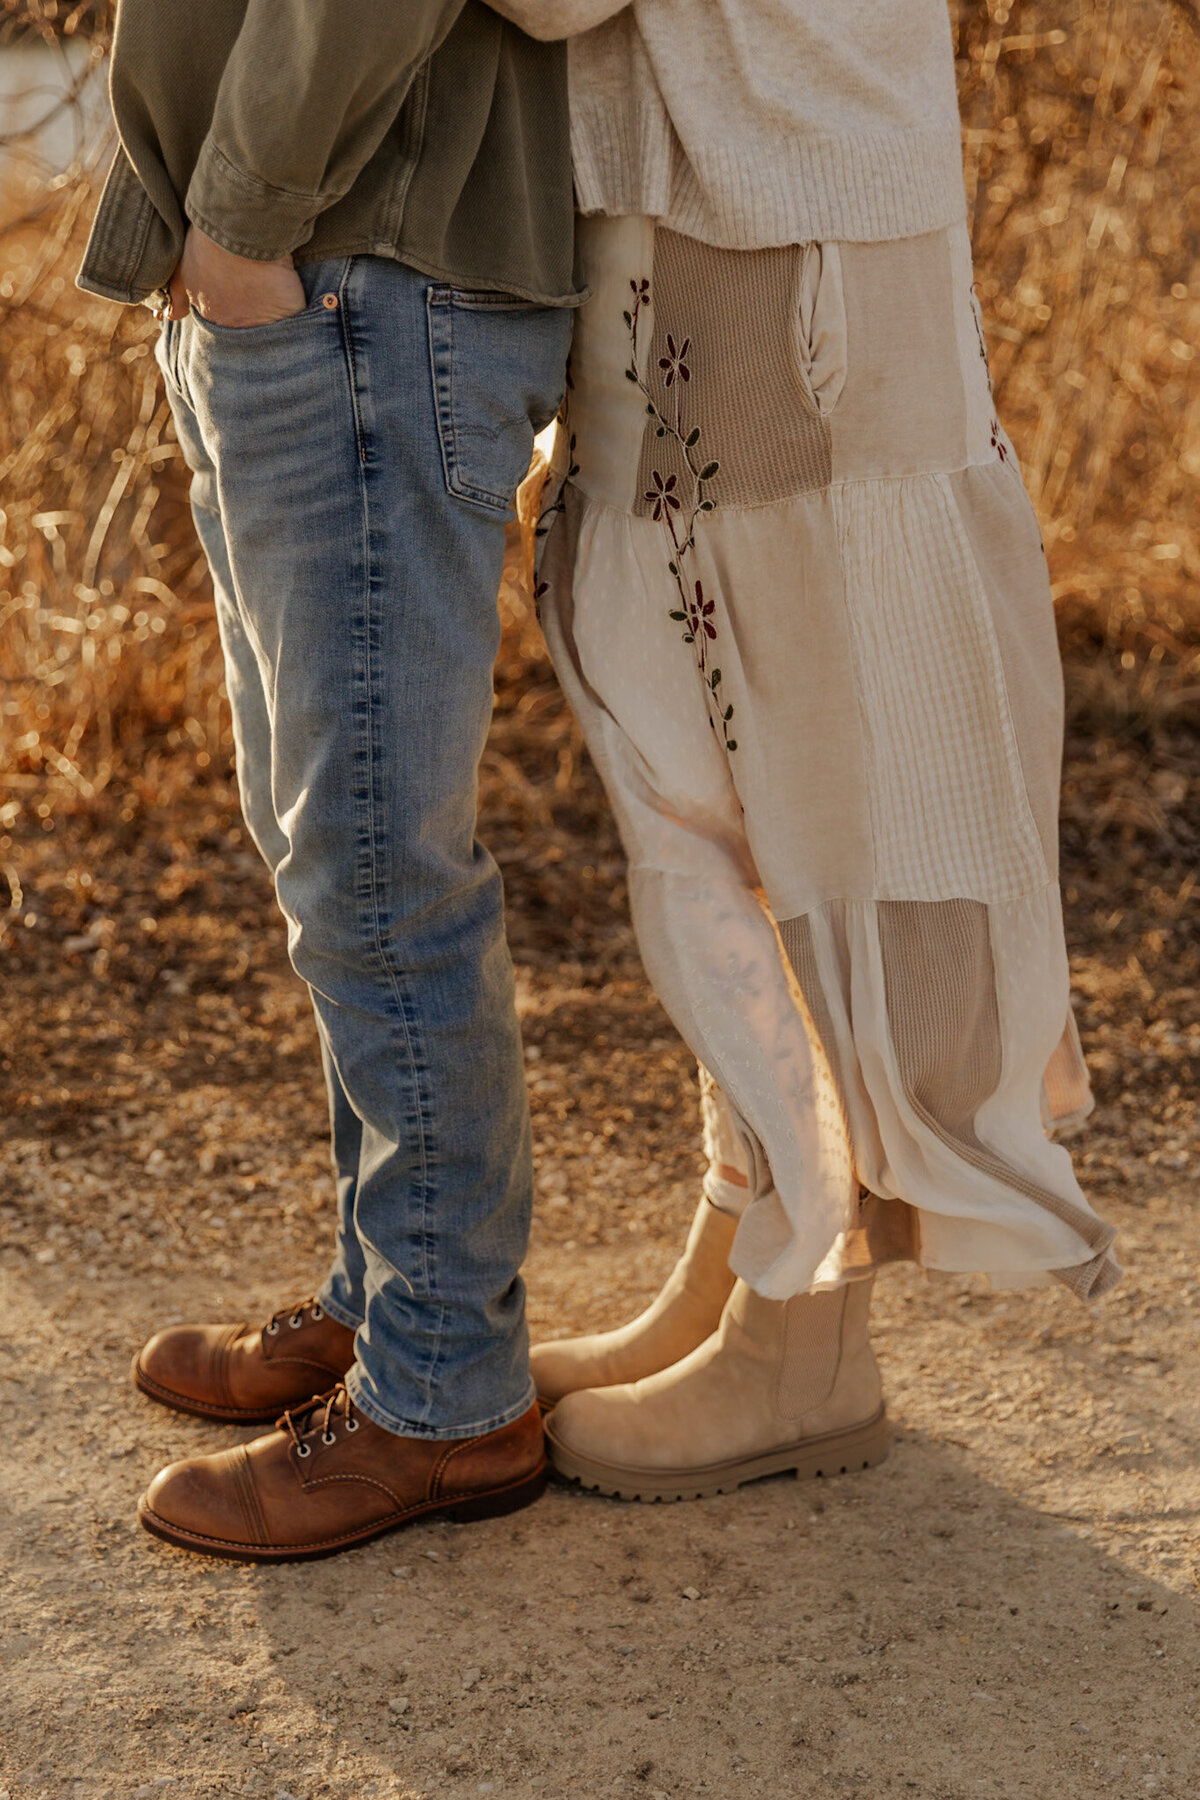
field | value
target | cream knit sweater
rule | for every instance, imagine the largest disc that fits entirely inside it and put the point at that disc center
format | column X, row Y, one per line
column 753, row 122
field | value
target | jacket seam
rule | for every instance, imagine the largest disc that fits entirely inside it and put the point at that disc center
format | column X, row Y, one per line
column 418, row 99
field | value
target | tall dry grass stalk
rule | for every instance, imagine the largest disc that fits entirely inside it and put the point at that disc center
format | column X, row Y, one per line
column 1083, row 175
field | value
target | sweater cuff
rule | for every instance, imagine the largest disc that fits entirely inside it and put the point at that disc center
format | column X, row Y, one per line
column 245, row 215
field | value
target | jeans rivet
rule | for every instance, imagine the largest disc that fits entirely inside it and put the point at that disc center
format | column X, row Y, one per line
column 329, row 302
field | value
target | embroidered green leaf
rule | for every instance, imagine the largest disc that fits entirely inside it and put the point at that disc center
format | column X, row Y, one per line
column 661, row 432
column 716, row 679
column 679, row 616
column 693, row 437
column 652, row 411
column 727, row 714
column 628, row 317
column 631, row 374
column 674, row 568
column 708, row 506
column 731, row 743
column 708, row 471
column 688, row 638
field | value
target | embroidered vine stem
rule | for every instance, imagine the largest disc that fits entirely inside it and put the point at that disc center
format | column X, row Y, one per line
column 695, row 612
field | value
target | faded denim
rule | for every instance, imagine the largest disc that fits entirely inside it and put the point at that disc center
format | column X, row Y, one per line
column 353, row 469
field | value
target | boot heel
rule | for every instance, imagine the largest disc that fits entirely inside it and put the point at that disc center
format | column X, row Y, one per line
column 499, row 1501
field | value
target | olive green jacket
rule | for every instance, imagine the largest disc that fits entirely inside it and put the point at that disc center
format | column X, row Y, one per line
column 430, row 131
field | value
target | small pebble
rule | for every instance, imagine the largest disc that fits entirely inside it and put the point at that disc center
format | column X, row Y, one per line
column 400, row 1704
column 691, row 1593
column 471, row 1677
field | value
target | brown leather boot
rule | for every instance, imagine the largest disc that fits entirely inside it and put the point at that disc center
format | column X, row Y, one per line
column 242, row 1374
column 328, row 1478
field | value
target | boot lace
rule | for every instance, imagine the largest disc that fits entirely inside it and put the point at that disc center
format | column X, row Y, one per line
column 294, row 1315
column 300, row 1422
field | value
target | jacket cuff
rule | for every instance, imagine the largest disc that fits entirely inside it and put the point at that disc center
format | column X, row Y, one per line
column 246, row 215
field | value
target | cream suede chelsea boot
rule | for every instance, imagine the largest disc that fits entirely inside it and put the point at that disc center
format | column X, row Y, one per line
column 780, row 1385
column 686, row 1311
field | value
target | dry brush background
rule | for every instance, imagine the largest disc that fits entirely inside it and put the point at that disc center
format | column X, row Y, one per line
column 164, row 1133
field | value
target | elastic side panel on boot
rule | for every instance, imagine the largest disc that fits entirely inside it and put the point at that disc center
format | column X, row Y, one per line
column 812, row 1351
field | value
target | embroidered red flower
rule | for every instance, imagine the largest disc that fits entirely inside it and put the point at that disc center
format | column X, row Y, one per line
column 663, row 494
column 673, row 364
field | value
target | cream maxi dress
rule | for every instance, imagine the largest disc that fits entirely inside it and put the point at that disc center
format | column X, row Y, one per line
column 795, row 591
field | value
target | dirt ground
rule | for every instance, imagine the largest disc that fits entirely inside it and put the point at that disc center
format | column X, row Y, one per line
column 1010, row 1606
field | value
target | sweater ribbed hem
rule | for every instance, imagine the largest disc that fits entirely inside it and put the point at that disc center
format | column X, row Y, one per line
column 861, row 187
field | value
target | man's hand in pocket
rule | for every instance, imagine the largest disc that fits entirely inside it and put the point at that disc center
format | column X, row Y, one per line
column 233, row 290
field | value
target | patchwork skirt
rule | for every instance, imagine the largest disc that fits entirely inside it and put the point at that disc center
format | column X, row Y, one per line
column 796, row 593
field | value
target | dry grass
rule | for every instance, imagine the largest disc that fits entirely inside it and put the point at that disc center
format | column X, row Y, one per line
column 1083, row 176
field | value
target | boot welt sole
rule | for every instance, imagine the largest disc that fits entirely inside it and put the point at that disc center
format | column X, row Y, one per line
column 837, row 1453
column 202, row 1409
column 490, row 1503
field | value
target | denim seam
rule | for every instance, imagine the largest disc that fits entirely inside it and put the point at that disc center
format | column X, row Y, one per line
column 404, row 1011
column 352, row 363
column 409, row 1428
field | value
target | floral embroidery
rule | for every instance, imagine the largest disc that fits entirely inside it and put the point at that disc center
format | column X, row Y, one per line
column 663, row 495
column 678, row 510
column 672, row 364
column 998, row 443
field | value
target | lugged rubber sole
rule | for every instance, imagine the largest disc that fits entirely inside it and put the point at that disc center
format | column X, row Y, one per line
column 838, row 1453
column 466, row 1509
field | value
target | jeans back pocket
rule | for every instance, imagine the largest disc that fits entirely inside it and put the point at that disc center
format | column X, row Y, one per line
column 499, row 369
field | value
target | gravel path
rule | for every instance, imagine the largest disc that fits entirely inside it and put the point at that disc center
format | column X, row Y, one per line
column 1008, row 1607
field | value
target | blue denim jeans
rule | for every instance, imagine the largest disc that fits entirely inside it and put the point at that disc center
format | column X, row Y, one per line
column 353, row 470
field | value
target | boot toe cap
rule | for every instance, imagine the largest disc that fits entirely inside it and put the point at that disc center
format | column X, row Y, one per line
column 176, row 1361
column 597, row 1423
column 198, row 1498
column 560, row 1368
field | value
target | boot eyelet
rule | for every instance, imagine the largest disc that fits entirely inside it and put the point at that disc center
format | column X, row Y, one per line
column 273, row 1329
column 351, row 1424
column 303, row 1449
column 317, row 1313
column 295, row 1321
column 328, row 1437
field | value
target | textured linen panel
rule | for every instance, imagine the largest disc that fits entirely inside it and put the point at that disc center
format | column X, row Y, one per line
column 785, row 649
column 1006, row 1204
column 975, row 1080
column 904, row 408
column 994, row 511
column 726, row 362
column 949, row 811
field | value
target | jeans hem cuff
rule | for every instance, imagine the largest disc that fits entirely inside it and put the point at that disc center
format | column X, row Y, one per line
column 338, row 1312
column 435, row 1433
